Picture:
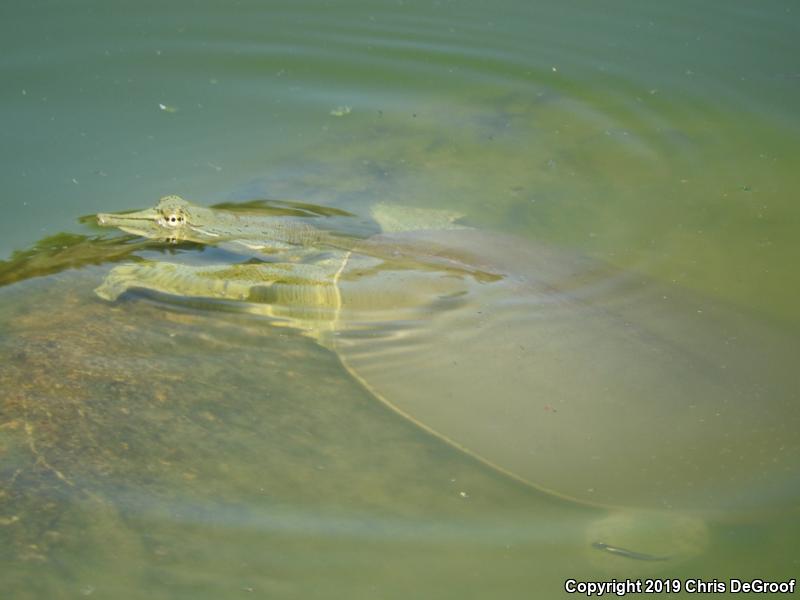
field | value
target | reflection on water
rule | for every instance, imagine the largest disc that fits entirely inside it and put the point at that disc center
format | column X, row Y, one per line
column 156, row 449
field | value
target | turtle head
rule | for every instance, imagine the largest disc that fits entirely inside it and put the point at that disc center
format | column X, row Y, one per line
column 170, row 219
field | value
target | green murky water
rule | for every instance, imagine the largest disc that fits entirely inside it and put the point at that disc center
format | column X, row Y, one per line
column 157, row 451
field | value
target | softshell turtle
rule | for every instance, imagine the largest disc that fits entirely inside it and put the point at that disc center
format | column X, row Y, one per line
column 591, row 384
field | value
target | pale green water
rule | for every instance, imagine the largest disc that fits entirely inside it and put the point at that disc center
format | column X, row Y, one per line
column 661, row 138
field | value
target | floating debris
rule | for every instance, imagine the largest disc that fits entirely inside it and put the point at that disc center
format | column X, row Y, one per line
column 340, row 111
column 168, row 108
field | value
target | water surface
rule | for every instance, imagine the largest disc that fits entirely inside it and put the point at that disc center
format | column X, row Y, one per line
column 206, row 457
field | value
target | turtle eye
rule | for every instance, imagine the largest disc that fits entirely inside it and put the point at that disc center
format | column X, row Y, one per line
column 172, row 219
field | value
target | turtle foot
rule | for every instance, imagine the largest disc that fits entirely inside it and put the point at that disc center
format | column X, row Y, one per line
column 642, row 542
